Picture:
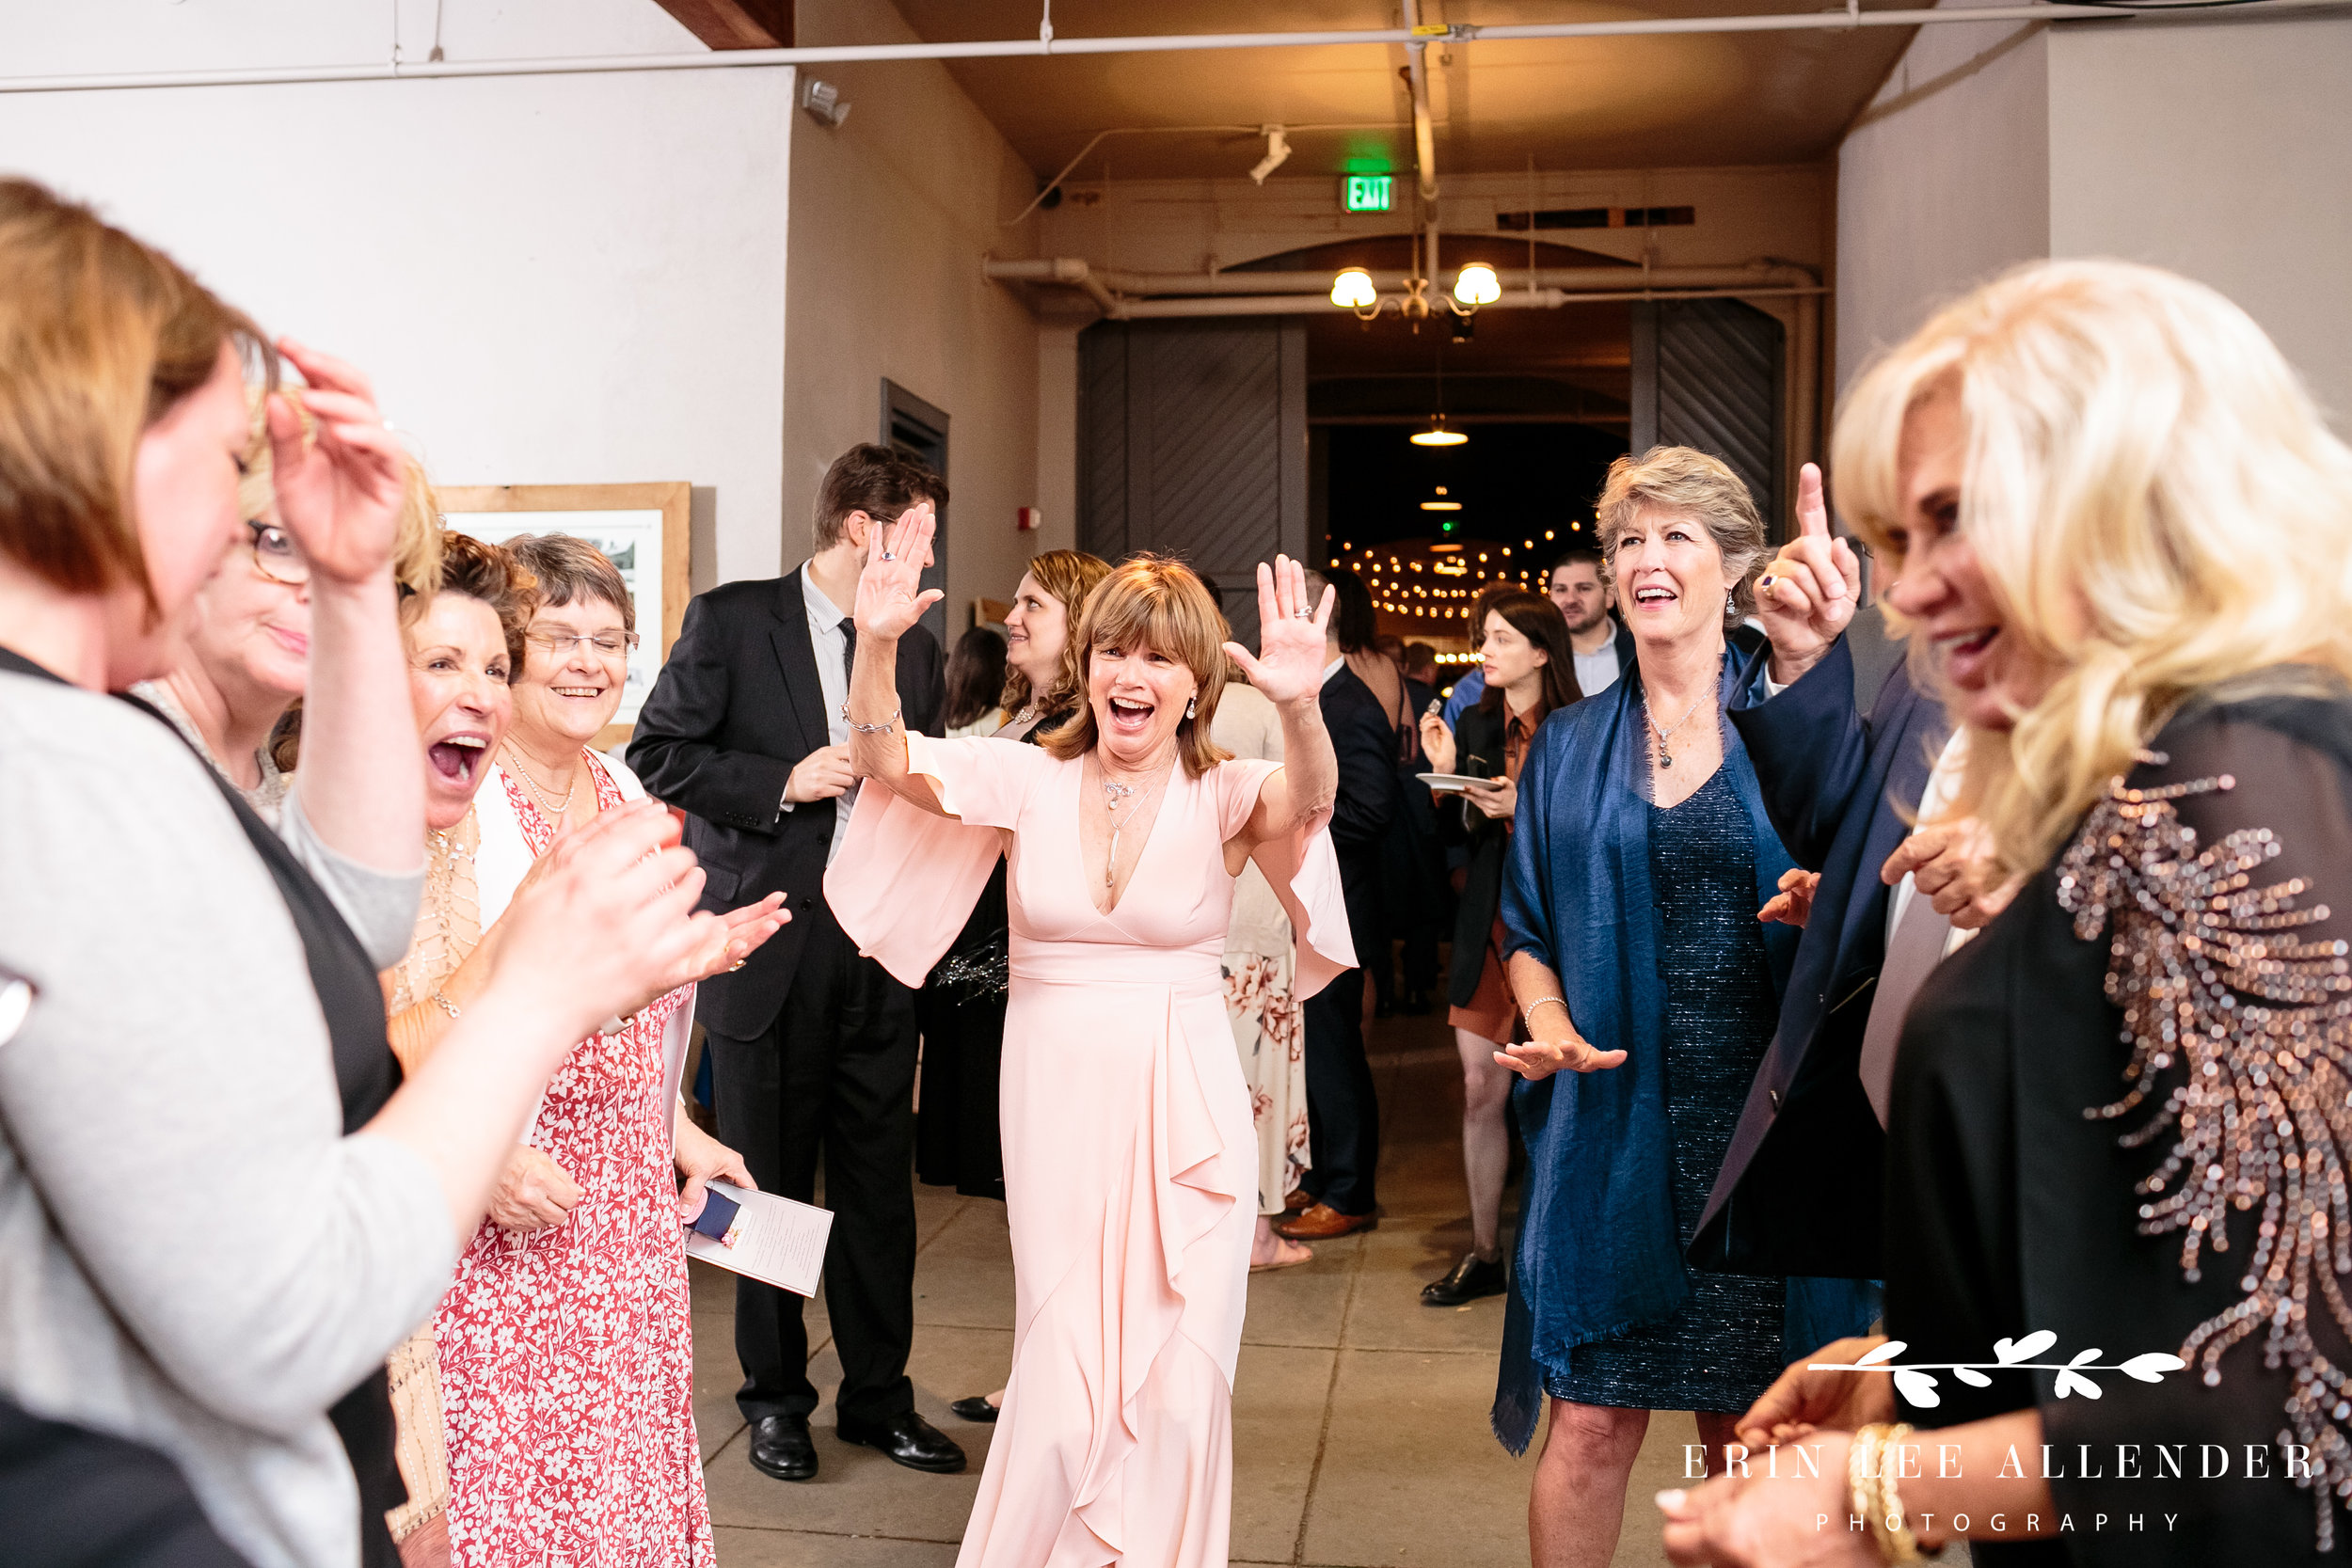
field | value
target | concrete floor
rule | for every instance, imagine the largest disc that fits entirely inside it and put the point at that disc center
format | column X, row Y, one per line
column 1359, row 1416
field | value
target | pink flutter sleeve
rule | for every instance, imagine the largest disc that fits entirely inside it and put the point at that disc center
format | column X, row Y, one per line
column 1305, row 874
column 905, row 880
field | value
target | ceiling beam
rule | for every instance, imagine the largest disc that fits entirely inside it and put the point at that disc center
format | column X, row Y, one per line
column 736, row 23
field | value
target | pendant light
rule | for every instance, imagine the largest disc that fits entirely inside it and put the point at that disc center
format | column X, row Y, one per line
column 1437, row 434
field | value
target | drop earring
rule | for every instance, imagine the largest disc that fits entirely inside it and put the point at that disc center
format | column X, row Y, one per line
column 1191, row 704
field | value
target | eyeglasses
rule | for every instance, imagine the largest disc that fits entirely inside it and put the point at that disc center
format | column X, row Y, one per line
column 611, row 644
column 275, row 555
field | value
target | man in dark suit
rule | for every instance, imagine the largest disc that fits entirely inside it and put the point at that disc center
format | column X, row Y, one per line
column 1343, row 1106
column 1843, row 769
column 812, row 1046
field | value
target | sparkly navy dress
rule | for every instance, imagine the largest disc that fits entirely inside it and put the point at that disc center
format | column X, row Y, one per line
column 1722, row 1348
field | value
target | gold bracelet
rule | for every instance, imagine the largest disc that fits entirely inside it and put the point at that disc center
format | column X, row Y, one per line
column 1875, row 1456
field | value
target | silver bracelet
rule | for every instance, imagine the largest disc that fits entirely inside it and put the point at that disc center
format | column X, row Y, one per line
column 443, row 1002
column 1529, row 1010
column 870, row 729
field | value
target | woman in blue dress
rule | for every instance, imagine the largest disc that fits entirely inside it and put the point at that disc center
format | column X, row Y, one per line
column 1641, row 857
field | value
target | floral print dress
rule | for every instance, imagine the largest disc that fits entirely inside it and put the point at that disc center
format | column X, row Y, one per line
column 567, row 1357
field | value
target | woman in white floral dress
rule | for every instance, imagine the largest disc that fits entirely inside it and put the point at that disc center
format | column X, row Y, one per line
column 1260, row 1001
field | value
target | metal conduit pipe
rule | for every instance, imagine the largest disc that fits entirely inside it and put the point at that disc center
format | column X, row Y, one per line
column 739, row 59
column 1424, row 137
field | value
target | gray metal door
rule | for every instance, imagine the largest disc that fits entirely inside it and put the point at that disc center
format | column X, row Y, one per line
column 1707, row 373
column 1192, row 442
column 919, row 430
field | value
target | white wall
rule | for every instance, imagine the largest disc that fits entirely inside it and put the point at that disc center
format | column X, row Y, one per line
column 552, row 280
column 2220, row 149
column 892, row 217
column 1944, row 180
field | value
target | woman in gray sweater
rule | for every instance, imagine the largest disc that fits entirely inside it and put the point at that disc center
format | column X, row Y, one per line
column 192, row 1254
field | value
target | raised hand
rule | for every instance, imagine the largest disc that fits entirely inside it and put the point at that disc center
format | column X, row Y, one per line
column 890, row 593
column 1811, row 589
column 1289, row 665
column 339, row 490
column 1437, row 743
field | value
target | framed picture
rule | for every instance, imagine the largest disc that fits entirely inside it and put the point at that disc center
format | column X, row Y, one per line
column 641, row 527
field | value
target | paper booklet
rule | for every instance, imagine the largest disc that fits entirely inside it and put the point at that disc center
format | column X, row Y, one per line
column 761, row 1235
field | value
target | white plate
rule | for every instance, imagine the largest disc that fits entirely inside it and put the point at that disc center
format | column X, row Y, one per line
column 1451, row 783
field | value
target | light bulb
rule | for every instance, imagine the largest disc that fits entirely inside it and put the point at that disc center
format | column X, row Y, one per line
column 1352, row 290
column 1476, row 285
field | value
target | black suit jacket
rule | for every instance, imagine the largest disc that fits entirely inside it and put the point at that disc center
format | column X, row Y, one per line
column 1369, row 800
column 737, row 706
column 1800, row 1191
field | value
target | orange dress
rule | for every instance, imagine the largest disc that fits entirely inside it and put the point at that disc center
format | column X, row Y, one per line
column 1130, row 1159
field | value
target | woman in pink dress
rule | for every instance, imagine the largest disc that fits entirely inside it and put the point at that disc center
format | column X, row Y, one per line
column 1130, row 1161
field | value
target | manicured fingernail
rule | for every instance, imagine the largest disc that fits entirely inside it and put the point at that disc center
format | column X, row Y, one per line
column 1670, row 1501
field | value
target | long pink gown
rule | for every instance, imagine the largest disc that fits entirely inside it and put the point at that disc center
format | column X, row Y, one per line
column 1130, row 1162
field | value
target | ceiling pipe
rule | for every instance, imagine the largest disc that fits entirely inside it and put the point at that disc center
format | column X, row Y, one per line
column 1577, row 278
column 1424, row 137
column 1127, row 296
column 1071, row 270
column 1658, row 283
column 1837, row 20
column 1541, row 299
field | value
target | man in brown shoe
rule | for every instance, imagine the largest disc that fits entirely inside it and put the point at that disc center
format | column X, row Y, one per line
column 1342, row 1108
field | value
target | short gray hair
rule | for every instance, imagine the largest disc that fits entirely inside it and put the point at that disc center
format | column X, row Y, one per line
column 1683, row 479
column 570, row 569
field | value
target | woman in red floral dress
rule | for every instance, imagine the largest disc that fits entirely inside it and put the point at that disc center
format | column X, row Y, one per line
column 564, row 1344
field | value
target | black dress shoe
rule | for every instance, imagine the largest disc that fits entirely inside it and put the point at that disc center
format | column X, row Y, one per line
column 1416, row 1004
column 781, row 1447
column 976, row 1409
column 1472, row 1278
column 908, row 1440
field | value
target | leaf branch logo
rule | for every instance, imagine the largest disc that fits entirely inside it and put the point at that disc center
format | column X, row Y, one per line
column 1914, row 1382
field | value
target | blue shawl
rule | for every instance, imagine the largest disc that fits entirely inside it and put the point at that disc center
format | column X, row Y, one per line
column 1599, row 1250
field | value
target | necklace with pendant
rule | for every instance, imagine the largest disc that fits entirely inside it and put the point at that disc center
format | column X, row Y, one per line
column 551, row 809
column 1113, row 794
column 1666, row 758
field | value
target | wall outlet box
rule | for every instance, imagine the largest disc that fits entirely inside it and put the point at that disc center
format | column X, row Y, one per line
column 1028, row 519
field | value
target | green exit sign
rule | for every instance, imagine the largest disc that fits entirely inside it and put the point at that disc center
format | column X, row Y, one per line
column 1366, row 193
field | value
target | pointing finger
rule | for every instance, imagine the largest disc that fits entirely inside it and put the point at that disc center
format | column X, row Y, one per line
column 1812, row 512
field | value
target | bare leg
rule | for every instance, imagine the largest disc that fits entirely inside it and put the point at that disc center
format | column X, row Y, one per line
column 1576, row 1508
column 1485, row 1141
column 1716, row 1430
column 1267, row 1249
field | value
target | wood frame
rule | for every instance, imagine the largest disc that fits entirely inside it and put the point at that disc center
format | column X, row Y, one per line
column 736, row 23
column 673, row 498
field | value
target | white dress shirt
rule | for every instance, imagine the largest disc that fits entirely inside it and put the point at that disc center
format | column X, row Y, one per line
column 832, row 649
column 1598, row 670
column 1935, row 801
